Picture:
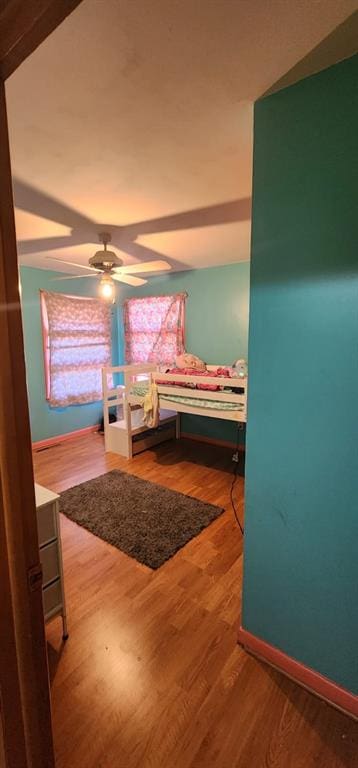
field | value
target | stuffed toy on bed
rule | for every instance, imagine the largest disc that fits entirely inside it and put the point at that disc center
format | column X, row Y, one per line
column 186, row 360
column 240, row 368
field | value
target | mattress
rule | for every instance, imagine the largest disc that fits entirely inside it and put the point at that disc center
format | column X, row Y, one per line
column 140, row 389
column 202, row 402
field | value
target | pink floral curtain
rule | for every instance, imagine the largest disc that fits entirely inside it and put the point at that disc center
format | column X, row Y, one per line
column 77, row 345
column 154, row 328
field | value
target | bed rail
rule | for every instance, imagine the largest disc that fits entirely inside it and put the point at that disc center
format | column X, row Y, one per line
column 166, row 384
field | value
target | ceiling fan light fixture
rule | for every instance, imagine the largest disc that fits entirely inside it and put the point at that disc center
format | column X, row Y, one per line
column 107, row 288
column 105, row 260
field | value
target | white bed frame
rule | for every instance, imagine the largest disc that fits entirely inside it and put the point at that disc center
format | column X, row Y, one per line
column 119, row 435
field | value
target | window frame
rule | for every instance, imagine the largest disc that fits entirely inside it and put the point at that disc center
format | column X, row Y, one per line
column 179, row 296
column 45, row 345
column 46, row 336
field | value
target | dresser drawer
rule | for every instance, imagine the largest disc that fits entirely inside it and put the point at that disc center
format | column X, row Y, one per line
column 46, row 523
column 50, row 563
column 52, row 597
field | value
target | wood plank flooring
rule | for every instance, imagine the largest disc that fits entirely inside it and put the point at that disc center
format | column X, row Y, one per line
column 152, row 676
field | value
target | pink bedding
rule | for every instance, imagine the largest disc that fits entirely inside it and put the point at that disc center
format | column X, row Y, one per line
column 227, row 372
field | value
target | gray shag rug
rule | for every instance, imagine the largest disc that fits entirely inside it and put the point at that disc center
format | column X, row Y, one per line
column 142, row 519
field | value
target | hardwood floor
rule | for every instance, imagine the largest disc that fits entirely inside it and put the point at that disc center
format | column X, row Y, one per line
column 152, row 676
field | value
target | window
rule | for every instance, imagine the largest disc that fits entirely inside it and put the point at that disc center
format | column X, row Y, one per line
column 77, row 344
column 154, row 328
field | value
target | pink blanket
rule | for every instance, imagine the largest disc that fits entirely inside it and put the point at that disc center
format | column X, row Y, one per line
column 193, row 372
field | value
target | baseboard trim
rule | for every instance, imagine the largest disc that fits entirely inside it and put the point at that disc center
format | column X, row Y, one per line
column 212, row 441
column 313, row 681
column 40, row 444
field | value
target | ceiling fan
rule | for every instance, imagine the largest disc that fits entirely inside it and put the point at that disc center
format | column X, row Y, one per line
column 111, row 267
column 32, row 200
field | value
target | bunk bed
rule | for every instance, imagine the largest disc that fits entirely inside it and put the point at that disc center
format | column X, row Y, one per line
column 212, row 395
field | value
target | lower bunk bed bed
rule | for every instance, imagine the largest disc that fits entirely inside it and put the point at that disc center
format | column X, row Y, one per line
column 217, row 393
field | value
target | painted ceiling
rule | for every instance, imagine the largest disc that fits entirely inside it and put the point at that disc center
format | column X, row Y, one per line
column 136, row 117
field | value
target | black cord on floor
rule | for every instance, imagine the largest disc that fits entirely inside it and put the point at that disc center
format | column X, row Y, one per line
column 236, row 469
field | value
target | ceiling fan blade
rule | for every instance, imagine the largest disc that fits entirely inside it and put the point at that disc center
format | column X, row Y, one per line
column 222, row 213
column 146, row 266
column 40, row 244
column 71, row 277
column 129, row 279
column 33, row 200
column 73, row 264
column 143, row 254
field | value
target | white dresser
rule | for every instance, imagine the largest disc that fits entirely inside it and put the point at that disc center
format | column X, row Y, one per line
column 48, row 525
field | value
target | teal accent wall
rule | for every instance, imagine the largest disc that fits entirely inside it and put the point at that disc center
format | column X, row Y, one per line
column 301, row 520
column 216, row 324
column 216, row 330
column 45, row 421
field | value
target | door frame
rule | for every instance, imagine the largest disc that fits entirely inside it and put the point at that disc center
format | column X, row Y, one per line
column 25, row 706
